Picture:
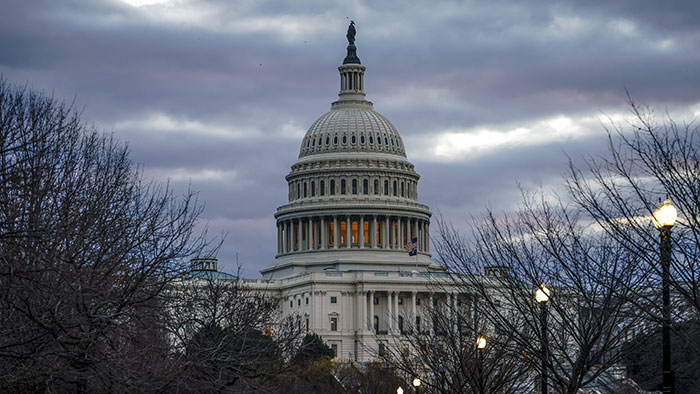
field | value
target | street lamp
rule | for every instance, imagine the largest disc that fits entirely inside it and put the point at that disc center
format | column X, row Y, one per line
column 664, row 218
column 416, row 383
column 542, row 295
column 481, row 342
column 399, row 390
column 480, row 346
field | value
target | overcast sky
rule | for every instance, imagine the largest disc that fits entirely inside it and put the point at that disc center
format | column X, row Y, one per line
column 485, row 94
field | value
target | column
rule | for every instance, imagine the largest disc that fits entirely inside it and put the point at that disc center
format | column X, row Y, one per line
column 360, row 311
column 430, row 323
column 427, row 237
column 390, row 322
column 286, row 236
column 392, row 234
column 336, row 232
column 279, row 238
column 413, row 309
column 361, row 231
column 373, row 237
column 348, row 232
column 400, row 244
column 396, row 309
column 371, row 311
column 415, row 231
column 308, row 234
column 386, row 232
column 324, row 232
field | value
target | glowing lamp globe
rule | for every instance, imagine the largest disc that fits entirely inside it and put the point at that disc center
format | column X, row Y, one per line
column 542, row 294
column 665, row 215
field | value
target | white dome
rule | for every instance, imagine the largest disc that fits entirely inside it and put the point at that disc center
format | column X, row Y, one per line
column 352, row 127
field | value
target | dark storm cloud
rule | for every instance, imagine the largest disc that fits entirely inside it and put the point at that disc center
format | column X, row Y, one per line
column 218, row 94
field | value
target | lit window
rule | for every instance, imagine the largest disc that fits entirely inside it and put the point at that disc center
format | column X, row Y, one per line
column 334, row 300
column 334, row 324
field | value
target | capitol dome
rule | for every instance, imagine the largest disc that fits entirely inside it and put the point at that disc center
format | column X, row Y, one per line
column 352, row 127
column 353, row 194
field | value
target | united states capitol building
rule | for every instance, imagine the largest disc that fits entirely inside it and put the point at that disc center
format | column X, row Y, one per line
column 343, row 239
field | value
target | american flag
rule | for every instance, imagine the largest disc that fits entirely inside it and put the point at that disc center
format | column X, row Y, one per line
column 412, row 247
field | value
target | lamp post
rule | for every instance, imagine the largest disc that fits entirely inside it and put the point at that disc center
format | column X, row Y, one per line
column 664, row 218
column 542, row 297
column 416, row 383
column 481, row 343
column 399, row 390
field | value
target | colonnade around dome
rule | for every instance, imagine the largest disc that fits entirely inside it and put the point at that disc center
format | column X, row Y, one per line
column 334, row 232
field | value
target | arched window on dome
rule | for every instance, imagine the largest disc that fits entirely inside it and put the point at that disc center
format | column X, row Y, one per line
column 313, row 142
column 328, row 140
column 305, row 190
column 376, row 186
column 386, row 188
column 332, row 188
column 322, row 189
column 345, row 139
column 313, row 188
column 335, row 140
column 362, row 139
column 402, row 190
column 394, row 189
column 371, row 140
column 386, row 141
column 342, row 186
column 379, row 140
column 354, row 186
column 298, row 191
column 365, row 186
column 353, row 140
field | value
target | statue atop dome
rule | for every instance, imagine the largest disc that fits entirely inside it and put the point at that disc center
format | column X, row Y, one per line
column 351, row 58
column 351, row 33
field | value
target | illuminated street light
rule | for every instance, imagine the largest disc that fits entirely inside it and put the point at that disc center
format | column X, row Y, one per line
column 542, row 295
column 664, row 218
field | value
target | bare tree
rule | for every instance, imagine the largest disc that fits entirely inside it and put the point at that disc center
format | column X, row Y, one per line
column 588, row 312
column 446, row 356
column 86, row 250
column 227, row 338
column 649, row 158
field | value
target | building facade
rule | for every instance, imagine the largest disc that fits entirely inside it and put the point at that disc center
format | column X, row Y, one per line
column 343, row 239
